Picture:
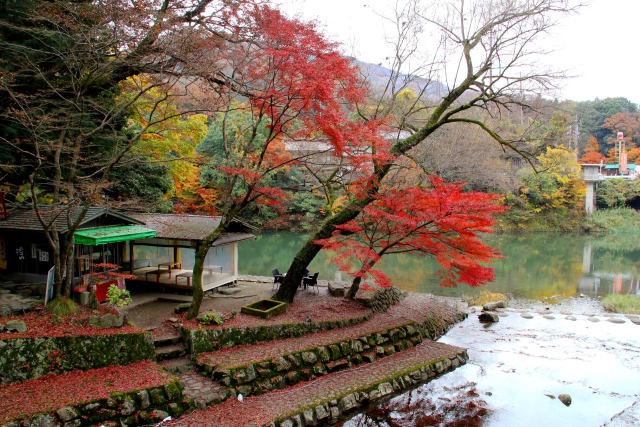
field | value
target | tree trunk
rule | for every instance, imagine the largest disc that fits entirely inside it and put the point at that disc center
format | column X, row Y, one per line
column 198, row 268
column 355, row 285
column 288, row 288
column 196, row 282
column 68, row 267
column 57, row 262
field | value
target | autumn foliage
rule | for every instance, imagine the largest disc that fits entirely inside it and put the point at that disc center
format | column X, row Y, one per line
column 628, row 124
column 441, row 221
column 592, row 152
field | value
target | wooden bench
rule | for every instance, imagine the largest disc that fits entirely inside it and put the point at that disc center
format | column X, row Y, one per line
column 188, row 275
column 157, row 272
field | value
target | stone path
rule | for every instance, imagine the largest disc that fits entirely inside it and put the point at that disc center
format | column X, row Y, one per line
column 265, row 408
column 613, row 318
column 201, row 389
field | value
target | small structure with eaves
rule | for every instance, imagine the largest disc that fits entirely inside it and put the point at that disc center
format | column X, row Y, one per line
column 158, row 249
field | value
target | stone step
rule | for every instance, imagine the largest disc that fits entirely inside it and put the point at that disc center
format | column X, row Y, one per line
column 166, row 340
column 179, row 365
column 171, row 351
column 326, row 399
column 259, row 368
column 202, row 390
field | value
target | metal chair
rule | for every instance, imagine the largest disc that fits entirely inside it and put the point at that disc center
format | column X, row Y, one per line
column 311, row 281
column 304, row 276
column 277, row 277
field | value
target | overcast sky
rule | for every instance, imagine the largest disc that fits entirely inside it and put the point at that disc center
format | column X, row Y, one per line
column 599, row 46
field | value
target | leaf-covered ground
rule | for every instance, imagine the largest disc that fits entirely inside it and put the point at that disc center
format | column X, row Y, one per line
column 322, row 308
column 40, row 323
column 52, row 392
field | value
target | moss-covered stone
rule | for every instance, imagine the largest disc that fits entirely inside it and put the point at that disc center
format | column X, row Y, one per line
column 202, row 340
column 28, row 358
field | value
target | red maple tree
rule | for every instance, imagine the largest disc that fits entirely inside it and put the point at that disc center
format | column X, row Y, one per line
column 441, row 221
column 592, row 152
column 295, row 84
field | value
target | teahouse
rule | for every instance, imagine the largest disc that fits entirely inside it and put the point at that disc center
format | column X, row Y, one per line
column 159, row 249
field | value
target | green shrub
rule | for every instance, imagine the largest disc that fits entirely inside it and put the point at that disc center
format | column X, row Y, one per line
column 615, row 193
column 209, row 318
column 627, row 303
column 118, row 297
column 616, row 220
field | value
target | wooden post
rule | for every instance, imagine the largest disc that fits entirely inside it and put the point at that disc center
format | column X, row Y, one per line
column 235, row 258
column 131, row 257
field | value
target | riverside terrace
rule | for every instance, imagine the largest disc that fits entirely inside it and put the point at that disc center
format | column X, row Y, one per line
column 159, row 249
column 345, row 357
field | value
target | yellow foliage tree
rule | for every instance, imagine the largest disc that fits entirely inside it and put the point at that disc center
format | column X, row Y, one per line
column 168, row 134
column 558, row 185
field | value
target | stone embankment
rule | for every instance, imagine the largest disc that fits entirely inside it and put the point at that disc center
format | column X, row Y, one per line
column 325, row 400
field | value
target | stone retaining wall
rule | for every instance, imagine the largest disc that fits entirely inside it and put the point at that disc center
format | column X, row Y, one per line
column 435, row 326
column 138, row 407
column 289, row 369
column 334, row 410
column 28, row 358
column 203, row 340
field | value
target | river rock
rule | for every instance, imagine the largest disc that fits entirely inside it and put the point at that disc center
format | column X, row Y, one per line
column 616, row 320
column 491, row 306
column 549, row 316
column 526, row 316
column 572, row 318
column 565, row 398
column 15, row 326
column 488, row 317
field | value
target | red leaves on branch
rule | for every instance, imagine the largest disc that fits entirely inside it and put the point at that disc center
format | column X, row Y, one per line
column 442, row 221
column 297, row 85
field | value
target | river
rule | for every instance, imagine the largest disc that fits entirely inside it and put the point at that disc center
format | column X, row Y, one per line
column 534, row 266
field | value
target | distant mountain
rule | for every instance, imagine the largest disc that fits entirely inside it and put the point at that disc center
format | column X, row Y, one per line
column 378, row 76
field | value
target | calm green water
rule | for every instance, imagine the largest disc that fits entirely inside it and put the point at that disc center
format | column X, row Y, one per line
column 535, row 266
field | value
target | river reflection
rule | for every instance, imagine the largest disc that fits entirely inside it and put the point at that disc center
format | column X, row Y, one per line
column 534, row 266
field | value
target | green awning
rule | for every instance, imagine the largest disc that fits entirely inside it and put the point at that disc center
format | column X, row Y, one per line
column 120, row 233
column 630, row 166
